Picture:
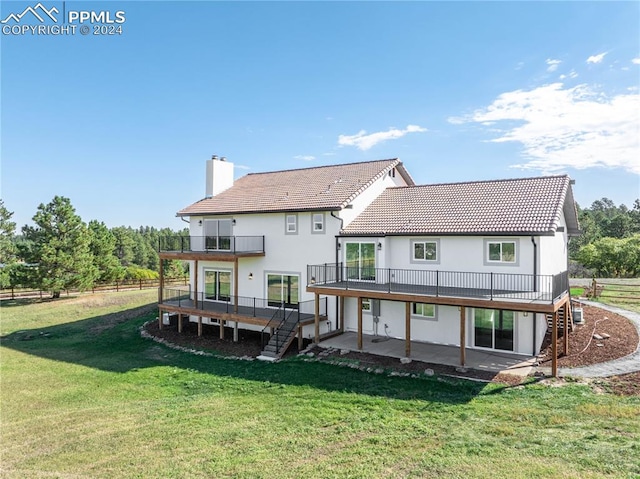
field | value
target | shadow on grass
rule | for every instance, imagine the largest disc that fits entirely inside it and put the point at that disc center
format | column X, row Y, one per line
column 112, row 342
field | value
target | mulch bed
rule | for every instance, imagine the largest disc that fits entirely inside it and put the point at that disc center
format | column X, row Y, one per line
column 623, row 340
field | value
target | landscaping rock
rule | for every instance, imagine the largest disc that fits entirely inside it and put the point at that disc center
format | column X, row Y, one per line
column 605, row 335
column 343, row 352
column 461, row 369
column 429, row 372
column 597, row 337
column 405, row 360
column 310, row 354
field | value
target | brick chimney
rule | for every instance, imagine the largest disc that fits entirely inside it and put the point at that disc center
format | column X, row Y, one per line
column 219, row 176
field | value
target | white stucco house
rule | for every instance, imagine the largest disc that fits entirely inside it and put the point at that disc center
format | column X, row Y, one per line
column 315, row 252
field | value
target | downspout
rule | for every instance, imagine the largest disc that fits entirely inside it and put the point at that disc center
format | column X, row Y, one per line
column 337, row 261
column 535, row 288
column 535, row 264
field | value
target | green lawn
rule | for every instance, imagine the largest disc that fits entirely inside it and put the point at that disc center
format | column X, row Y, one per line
column 90, row 398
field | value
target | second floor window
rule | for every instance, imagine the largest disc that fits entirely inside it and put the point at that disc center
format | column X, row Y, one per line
column 318, row 223
column 291, row 224
column 425, row 251
column 502, row 251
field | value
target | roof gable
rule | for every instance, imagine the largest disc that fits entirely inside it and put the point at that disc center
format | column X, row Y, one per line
column 318, row 188
column 499, row 207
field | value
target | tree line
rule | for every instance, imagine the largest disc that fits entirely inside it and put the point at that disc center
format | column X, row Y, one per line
column 60, row 251
column 609, row 245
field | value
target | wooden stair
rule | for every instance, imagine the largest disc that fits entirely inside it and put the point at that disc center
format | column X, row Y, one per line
column 282, row 337
column 561, row 320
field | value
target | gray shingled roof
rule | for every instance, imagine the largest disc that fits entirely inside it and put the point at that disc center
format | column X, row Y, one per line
column 320, row 188
column 501, row 207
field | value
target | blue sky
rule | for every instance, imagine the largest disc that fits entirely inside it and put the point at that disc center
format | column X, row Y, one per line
column 123, row 124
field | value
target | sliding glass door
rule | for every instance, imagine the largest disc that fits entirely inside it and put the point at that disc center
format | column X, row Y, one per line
column 217, row 285
column 283, row 288
column 361, row 261
column 493, row 329
column 217, row 234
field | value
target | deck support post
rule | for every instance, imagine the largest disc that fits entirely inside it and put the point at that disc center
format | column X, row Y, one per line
column 199, row 325
column 359, row 323
column 341, row 313
column 300, row 338
column 407, row 328
column 565, row 329
column 463, row 335
column 179, row 322
column 317, row 319
column 159, row 318
column 221, row 321
column 195, row 284
column 235, row 285
column 235, row 331
column 554, row 345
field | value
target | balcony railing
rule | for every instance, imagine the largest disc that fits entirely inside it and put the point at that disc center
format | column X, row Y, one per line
column 245, row 306
column 224, row 244
column 491, row 286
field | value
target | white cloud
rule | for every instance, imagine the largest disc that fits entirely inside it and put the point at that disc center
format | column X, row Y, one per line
column 636, row 61
column 305, row 157
column 596, row 58
column 552, row 65
column 571, row 74
column 242, row 167
column 568, row 127
column 363, row 142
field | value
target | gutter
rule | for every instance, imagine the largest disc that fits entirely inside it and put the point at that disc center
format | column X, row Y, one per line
column 535, row 263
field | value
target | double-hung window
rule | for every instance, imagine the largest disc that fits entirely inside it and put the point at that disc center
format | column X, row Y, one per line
column 317, row 223
column 291, row 224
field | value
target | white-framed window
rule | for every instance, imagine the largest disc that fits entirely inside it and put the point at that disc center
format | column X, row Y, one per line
column 291, row 224
column 501, row 251
column 425, row 251
column 366, row 305
column 317, row 223
column 217, row 285
column 423, row 310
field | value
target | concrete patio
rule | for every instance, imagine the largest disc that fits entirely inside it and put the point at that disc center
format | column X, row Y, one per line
column 435, row 353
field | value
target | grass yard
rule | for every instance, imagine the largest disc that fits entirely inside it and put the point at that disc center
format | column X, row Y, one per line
column 84, row 396
column 624, row 293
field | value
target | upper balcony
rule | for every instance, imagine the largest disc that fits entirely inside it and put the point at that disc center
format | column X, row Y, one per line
column 504, row 290
column 210, row 247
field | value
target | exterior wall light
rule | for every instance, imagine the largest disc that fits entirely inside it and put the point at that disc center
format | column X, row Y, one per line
column 313, row 280
column 250, row 276
column 379, row 246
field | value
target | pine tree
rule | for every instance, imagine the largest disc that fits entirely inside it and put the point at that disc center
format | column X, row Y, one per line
column 7, row 245
column 60, row 248
column 102, row 246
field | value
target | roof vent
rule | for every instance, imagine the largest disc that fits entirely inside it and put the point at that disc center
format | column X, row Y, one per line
column 214, row 157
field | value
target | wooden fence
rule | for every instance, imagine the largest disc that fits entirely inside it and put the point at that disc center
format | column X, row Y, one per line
column 124, row 285
column 613, row 290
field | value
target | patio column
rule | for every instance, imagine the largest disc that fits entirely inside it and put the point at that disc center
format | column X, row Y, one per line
column 221, row 321
column 317, row 318
column 554, row 345
column 341, row 313
column 195, row 284
column 463, row 335
column 565, row 329
column 235, row 331
column 359, row 323
column 179, row 322
column 199, row 325
column 407, row 329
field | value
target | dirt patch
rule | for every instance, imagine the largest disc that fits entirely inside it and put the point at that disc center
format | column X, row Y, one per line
column 585, row 350
column 624, row 385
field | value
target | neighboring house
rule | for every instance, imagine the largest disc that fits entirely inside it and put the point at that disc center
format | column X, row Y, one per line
column 359, row 247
